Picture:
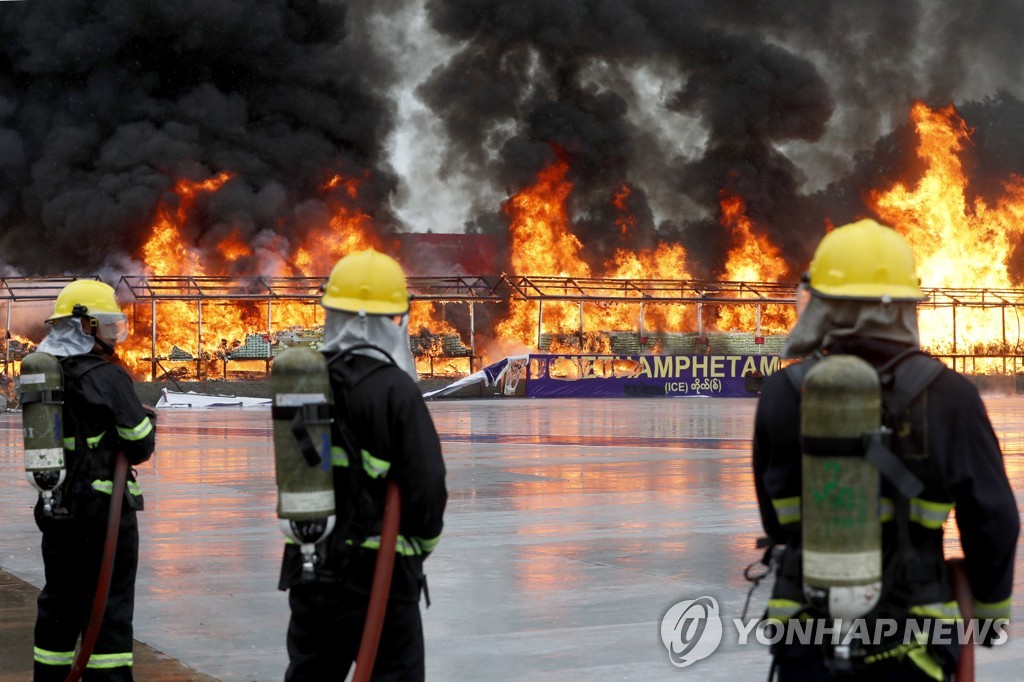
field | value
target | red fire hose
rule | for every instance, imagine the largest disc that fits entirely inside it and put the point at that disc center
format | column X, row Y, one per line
column 99, row 602
column 381, row 584
column 962, row 592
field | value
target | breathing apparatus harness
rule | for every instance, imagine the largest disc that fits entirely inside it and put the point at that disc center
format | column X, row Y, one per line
column 902, row 379
column 355, row 522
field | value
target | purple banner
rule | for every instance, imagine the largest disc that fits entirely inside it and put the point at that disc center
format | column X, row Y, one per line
column 626, row 376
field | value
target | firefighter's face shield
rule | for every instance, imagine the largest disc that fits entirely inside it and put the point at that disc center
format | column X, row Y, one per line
column 111, row 327
column 803, row 294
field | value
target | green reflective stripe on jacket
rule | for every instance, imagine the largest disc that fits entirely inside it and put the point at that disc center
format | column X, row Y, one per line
column 884, row 509
column 108, row 487
column 53, row 657
column 787, row 509
column 782, row 609
column 375, row 468
column 427, row 544
column 137, row 432
column 90, row 441
column 107, row 661
column 403, row 546
column 999, row 609
column 928, row 665
column 339, row 457
column 946, row 611
column 929, row 514
column 916, row 652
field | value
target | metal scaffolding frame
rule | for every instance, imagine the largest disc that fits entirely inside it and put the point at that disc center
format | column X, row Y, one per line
column 14, row 290
column 142, row 289
column 497, row 289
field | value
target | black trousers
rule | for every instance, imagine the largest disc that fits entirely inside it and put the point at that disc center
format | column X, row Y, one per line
column 72, row 552
column 326, row 628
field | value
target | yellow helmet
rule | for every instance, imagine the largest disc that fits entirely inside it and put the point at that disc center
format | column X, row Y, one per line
column 367, row 282
column 865, row 261
column 94, row 296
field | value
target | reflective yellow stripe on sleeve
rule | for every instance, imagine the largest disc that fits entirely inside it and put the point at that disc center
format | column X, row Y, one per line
column 945, row 611
column 787, row 509
column 374, row 467
column 403, row 545
column 929, row 514
column 427, row 544
column 994, row 610
column 339, row 457
column 137, row 432
column 885, row 509
column 108, row 487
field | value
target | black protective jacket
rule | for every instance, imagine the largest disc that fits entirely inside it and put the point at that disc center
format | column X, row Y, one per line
column 391, row 436
column 946, row 439
column 102, row 416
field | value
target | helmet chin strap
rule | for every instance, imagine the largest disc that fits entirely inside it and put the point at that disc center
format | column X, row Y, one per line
column 82, row 313
column 104, row 346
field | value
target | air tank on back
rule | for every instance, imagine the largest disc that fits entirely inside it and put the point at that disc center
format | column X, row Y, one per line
column 302, row 450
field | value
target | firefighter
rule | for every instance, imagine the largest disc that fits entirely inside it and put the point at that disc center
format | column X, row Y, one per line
column 860, row 298
column 381, row 430
column 102, row 416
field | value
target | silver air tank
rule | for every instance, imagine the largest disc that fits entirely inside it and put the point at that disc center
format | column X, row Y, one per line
column 42, row 421
column 842, row 534
column 302, row 450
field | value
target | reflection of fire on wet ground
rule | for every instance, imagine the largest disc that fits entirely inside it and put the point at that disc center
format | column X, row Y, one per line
column 8, row 393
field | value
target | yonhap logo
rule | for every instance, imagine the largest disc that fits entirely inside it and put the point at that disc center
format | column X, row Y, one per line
column 691, row 631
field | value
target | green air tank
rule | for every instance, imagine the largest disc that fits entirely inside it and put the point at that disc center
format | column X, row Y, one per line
column 842, row 534
column 42, row 418
column 302, row 449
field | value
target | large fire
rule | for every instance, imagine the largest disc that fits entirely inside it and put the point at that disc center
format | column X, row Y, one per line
column 544, row 246
column 197, row 336
column 960, row 243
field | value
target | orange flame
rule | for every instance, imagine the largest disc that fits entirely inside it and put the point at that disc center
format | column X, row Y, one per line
column 544, row 245
column 753, row 258
column 194, row 338
column 957, row 243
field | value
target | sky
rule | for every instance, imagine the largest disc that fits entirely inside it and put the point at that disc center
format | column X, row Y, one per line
column 443, row 110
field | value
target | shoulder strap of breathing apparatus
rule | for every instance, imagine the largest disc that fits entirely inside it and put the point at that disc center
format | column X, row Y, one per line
column 354, row 522
column 323, row 412
column 343, row 427
column 902, row 379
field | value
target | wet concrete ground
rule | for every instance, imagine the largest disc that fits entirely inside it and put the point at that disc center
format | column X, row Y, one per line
column 572, row 527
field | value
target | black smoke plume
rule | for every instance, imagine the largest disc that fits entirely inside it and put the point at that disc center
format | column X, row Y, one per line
column 105, row 104
column 802, row 106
